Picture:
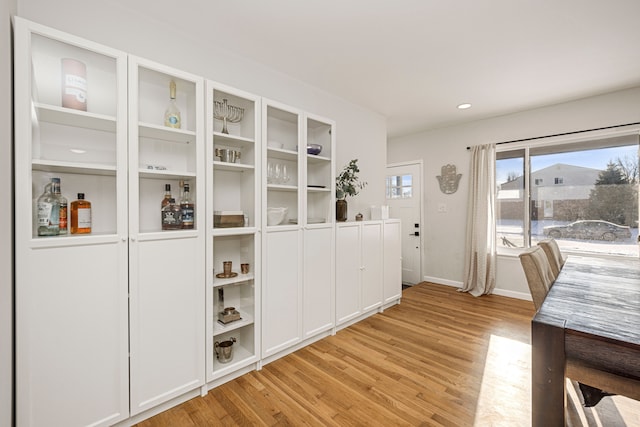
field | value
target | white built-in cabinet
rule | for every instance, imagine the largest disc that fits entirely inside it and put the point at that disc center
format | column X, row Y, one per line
column 166, row 268
column 233, row 182
column 72, row 365
column 110, row 323
column 114, row 324
column 367, row 268
column 298, row 254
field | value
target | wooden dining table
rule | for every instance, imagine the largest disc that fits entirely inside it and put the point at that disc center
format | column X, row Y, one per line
column 591, row 316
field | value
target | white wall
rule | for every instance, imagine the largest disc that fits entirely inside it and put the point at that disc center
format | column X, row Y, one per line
column 359, row 133
column 7, row 8
column 444, row 233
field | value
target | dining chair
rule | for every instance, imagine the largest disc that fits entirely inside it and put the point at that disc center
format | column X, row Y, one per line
column 539, row 274
column 552, row 250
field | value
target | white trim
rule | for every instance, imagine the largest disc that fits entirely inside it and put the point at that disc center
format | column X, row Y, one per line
column 496, row 291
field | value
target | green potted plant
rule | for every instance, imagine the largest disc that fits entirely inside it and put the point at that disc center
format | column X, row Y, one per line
column 347, row 184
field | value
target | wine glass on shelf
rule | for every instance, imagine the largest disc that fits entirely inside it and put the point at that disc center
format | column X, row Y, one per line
column 269, row 173
column 285, row 174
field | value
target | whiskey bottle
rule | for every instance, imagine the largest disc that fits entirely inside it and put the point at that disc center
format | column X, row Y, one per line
column 48, row 212
column 171, row 216
column 63, row 216
column 80, row 215
column 167, row 195
column 187, row 208
column 172, row 114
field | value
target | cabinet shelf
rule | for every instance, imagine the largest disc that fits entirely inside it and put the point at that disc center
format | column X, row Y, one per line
column 241, row 357
column 233, row 231
column 232, row 140
column 317, row 158
column 71, row 167
column 280, row 187
column 246, row 319
column 148, row 130
column 318, row 190
column 233, row 167
column 165, row 174
column 73, row 240
column 167, row 235
column 281, row 153
column 239, row 279
column 74, row 118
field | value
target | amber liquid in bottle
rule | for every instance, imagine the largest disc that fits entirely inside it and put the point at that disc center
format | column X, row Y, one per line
column 80, row 215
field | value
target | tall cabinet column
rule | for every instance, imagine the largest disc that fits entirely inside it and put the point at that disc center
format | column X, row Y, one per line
column 166, row 262
column 71, row 289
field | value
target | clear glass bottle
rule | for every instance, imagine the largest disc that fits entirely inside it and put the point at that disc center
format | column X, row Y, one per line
column 187, row 208
column 171, row 216
column 48, row 212
column 64, row 210
column 172, row 113
column 80, row 215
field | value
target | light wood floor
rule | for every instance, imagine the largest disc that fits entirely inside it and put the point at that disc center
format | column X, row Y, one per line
column 440, row 358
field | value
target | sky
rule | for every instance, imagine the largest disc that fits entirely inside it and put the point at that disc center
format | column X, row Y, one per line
column 596, row 159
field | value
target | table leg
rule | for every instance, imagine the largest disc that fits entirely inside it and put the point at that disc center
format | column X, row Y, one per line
column 548, row 394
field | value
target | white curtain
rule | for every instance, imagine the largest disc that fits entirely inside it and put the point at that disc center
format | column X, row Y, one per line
column 480, row 247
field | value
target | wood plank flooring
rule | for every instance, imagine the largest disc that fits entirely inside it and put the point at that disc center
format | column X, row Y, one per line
column 440, row 358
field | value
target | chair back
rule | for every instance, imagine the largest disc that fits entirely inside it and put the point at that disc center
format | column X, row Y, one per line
column 551, row 249
column 538, row 272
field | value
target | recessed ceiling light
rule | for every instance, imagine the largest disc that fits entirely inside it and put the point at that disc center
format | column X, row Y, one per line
column 464, row 106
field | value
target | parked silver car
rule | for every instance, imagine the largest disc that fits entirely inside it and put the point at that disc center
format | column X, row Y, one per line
column 589, row 230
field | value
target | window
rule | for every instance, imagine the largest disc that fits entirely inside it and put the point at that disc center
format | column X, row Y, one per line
column 399, row 186
column 589, row 205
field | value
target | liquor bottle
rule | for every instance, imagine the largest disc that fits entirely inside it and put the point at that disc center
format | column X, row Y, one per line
column 48, row 212
column 171, row 216
column 167, row 195
column 187, row 209
column 172, row 114
column 63, row 216
column 80, row 215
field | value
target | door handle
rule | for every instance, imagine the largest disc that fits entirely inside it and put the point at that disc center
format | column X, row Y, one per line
column 415, row 233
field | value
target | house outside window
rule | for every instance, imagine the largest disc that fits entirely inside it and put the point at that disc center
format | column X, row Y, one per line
column 583, row 193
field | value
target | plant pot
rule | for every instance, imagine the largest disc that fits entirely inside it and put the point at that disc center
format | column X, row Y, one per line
column 341, row 210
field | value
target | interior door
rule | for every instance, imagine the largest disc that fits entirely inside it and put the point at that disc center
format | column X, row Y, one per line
column 404, row 197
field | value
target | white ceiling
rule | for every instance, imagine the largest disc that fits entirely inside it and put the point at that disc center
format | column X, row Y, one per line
column 413, row 61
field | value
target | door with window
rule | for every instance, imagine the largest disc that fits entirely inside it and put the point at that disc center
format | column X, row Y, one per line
column 404, row 197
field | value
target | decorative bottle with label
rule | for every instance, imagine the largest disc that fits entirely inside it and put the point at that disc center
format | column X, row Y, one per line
column 172, row 114
column 74, row 84
column 167, row 195
column 80, row 215
column 171, row 216
column 187, row 207
column 63, row 216
column 48, row 212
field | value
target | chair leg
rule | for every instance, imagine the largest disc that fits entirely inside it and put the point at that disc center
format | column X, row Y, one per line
column 592, row 395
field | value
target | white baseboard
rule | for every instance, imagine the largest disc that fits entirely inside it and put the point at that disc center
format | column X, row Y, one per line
column 496, row 291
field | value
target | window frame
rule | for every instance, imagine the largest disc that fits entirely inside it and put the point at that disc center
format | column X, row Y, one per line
column 561, row 140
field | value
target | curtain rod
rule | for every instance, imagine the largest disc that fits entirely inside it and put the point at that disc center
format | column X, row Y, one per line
column 565, row 133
